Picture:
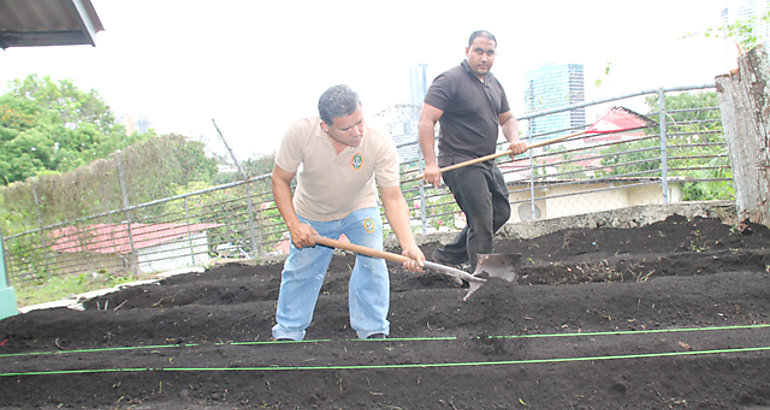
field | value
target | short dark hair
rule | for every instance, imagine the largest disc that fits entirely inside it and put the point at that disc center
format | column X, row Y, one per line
column 481, row 33
column 338, row 101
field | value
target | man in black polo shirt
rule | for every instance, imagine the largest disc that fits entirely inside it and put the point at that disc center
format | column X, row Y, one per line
column 470, row 104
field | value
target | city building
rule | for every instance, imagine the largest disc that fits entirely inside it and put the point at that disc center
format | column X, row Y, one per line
column 752, row 13
column 400, row 120
column 552, row 86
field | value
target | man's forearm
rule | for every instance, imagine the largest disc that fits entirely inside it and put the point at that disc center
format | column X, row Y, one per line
column 427, row 141
column 397, row 214
column 511, row 130
column 301, row 234
column 283, row 201
column 510, row 126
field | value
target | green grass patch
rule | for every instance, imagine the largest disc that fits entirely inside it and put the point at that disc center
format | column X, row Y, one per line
column 61, row 287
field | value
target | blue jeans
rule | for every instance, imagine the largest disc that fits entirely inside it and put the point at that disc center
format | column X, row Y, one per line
column 305, row 270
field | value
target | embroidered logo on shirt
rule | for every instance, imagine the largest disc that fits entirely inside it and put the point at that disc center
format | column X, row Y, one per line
column 369, row 225
column 357, row 161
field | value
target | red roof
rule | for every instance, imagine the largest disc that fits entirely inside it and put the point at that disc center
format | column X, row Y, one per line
column 619, row 119
column 114, row 238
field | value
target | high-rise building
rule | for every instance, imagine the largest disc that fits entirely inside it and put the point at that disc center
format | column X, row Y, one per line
column 418, row 84
column 400, row 120
column 751, row 11
column 553, row 86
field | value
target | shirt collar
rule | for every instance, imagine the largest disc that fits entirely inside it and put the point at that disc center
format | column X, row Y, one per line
column 470, row 73
column 327, row 140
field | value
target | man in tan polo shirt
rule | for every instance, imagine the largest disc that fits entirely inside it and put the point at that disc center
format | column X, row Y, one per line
column 341, row 160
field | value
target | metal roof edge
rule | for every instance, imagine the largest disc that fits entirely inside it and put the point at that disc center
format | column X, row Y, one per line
column 89, row 20
column 44, row 23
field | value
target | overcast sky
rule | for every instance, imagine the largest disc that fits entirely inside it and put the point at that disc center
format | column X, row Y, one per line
column 256, row 66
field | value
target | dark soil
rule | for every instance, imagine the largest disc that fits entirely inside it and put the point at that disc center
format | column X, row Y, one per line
column 670, row 315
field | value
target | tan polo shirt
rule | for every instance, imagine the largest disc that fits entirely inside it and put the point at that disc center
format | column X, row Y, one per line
column 329, row 185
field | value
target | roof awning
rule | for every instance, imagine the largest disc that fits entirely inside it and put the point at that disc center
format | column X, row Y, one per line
column 28, row 23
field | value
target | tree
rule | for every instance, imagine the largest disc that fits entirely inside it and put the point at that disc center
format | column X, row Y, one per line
column 69, row 141
column 156, row 168
column 743, row 32
column 745, row 100
column 54, row 127
column 253, row 167
column 695, row 147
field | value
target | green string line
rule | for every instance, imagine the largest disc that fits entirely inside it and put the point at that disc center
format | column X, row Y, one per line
column 97, row 350
column 395, row 339
column 633, row 332
column 389, row 366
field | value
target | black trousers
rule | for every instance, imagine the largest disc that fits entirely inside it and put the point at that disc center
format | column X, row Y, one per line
column 481, row 193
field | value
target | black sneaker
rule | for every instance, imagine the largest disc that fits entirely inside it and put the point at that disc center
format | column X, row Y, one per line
column 440, row 258
column 376, row 336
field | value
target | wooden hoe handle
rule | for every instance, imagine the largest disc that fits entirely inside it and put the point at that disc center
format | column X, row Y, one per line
column 499, row 154
column 333, row 243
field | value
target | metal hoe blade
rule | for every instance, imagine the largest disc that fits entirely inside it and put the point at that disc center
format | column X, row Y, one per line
column 493, row 265
column 498, row 265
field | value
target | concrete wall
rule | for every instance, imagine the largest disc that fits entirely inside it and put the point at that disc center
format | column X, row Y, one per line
column 175, row 255
column 568, row 200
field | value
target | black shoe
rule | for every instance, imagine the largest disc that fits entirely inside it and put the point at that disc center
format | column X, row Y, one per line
column 284, row 339
column 376, row 336
column 443, row 259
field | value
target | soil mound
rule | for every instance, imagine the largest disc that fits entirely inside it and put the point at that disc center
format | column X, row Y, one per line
column 673, row 314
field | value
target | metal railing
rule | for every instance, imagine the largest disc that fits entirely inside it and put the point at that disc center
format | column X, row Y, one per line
column 678, row 160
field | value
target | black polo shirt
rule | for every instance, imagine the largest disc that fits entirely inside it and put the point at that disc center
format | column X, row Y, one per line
column 469, row 125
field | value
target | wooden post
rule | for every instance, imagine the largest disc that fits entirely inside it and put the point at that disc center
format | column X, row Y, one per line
column 744, row 100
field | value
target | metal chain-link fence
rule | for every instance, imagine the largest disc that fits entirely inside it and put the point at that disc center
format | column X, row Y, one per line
column 681, row 158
